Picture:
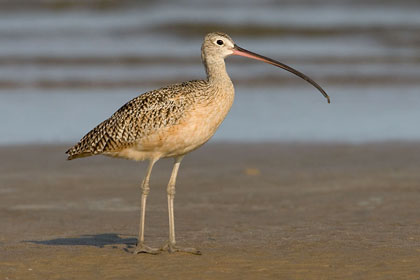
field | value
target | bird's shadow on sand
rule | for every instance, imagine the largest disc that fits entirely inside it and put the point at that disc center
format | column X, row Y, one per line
column 97, row 240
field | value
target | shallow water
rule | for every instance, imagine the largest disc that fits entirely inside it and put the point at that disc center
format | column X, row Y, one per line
column 287, row 113
column 62, row 71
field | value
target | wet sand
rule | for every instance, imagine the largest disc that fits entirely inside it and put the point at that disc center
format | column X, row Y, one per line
column 256, row 211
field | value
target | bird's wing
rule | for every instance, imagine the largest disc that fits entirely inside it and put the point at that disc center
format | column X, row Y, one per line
column 138, row 118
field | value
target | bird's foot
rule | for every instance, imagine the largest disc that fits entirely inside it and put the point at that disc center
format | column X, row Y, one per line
column 171, row 248
column 141, row 248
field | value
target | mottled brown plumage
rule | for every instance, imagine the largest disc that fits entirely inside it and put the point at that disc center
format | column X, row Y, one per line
column 170, row 122
column 140, row 117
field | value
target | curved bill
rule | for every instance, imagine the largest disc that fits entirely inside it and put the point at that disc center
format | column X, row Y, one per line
column 243, row 52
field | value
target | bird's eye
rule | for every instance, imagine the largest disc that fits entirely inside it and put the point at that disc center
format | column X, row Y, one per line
column 219, row 42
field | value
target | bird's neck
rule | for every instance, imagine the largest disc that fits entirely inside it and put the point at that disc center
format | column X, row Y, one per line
column 216, row 72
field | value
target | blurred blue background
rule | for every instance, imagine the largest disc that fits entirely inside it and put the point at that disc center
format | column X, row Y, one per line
column 65, row 66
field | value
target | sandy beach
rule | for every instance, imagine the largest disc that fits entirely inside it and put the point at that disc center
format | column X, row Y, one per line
column 256, row 211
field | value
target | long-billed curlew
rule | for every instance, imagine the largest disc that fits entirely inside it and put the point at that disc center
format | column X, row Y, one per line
column 171, row 122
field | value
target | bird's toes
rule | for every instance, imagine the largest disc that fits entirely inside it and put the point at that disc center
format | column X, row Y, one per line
column 171, row 248
column 141, row 248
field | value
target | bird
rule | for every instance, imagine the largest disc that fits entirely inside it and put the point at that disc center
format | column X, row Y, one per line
column 170, row 122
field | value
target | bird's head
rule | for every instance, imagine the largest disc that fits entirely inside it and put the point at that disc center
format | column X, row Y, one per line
column 216, row 46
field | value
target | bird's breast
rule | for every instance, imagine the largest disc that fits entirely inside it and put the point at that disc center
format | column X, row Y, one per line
column 196, row 127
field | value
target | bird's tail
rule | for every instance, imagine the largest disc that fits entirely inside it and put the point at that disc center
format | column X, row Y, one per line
column 77, row 152
column 72, row 154
column 94, row 142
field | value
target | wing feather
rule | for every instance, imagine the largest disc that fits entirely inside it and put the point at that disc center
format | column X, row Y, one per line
column 138, row 118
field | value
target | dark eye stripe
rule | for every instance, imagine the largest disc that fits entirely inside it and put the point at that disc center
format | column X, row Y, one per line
column 219, row 42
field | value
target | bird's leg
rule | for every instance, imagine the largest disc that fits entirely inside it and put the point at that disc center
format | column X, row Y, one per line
column 141, row 248
column 170, row 246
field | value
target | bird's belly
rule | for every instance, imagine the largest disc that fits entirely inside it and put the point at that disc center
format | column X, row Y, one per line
column 195, row 129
